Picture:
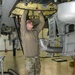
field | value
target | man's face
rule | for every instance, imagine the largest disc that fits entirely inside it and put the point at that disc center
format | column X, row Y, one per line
column 29, row 25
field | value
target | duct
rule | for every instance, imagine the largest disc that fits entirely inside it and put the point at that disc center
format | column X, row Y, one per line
column 66, row 12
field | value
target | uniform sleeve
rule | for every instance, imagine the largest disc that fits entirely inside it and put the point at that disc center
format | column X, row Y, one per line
column 41, row 24
column 23, row 25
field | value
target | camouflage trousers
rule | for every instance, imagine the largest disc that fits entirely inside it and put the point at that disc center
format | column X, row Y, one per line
column 32, row 65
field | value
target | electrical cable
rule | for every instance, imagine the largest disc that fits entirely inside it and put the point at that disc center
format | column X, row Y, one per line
column 11, row 72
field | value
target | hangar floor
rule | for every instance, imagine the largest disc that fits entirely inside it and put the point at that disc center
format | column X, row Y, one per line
column 48, row 66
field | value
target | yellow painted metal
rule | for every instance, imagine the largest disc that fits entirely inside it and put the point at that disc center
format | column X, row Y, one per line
column 46, row 9
column 57, row 42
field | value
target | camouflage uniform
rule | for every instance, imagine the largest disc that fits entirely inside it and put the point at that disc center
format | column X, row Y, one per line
column 30, row 45
column 32, row 65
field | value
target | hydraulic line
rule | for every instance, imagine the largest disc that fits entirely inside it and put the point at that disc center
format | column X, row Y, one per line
column 18, row 32
column 10, row 72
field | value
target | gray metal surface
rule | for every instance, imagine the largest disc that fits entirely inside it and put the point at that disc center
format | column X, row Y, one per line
column 6, row 7
column 69, row 44
column 39, row 1
column 66, row 12
column 43, row 43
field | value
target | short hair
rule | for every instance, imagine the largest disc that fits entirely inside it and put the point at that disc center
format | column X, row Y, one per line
column 28, row 21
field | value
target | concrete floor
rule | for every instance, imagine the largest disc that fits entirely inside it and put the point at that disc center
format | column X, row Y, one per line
column 48, row 66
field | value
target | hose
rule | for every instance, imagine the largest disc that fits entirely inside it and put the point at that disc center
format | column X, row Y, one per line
column 11, row 72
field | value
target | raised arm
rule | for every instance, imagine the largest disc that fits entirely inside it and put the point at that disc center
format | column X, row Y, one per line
column 42, row 22
column 23, row 20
